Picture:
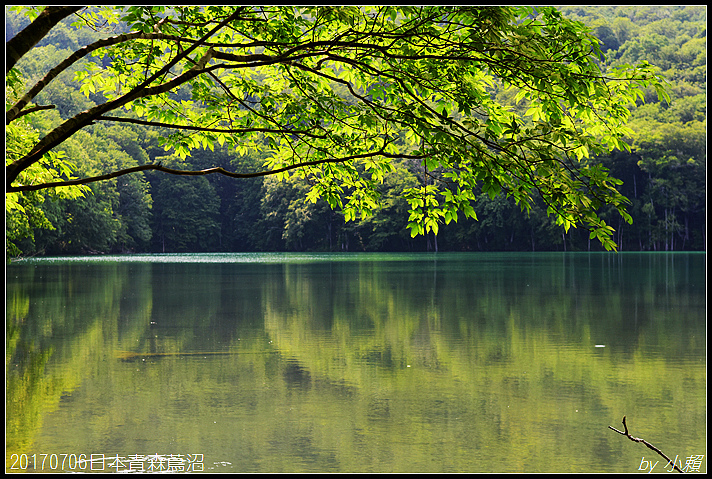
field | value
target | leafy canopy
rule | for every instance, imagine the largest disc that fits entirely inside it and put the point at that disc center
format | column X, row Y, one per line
column 336, row 94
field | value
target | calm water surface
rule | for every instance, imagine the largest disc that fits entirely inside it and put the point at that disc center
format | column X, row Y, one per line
column 356, row 363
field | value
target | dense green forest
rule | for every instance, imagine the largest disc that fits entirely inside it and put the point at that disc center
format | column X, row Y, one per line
column 663, row 176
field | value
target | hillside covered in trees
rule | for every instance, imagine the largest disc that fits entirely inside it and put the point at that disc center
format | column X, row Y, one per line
column 664, row 176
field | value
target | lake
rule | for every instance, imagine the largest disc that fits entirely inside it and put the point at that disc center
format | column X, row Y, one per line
column 355, row 362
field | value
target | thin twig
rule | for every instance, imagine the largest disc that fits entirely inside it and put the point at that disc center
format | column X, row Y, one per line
column 637, row 439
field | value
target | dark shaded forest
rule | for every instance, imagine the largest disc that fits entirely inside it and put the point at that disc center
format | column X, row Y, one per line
column 663, row 176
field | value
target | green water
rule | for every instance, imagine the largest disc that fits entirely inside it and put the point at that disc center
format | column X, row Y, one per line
column 356, row 363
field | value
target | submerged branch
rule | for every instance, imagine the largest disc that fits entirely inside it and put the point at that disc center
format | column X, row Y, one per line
column 650, row 446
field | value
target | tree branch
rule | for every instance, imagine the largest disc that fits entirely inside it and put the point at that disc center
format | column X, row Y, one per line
column 34, row 32
column 71, row 126
column 16, row 109
column 208, row 171
column 76, row 123
column 35, row 108
column 207, row 129
column 650, row 446
column 14, row 112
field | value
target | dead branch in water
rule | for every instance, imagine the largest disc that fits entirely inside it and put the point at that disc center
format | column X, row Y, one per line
column 637, row 439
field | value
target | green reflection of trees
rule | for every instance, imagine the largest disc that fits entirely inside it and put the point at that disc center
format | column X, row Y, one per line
column 62, row 321
column 440, row 363
column 511, row 347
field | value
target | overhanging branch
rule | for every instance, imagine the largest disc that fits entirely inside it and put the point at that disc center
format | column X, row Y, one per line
column 207, row 129
column 208, row 171
column 71, row 126
column 17, row 109
column 34, row 109
column 34, row 32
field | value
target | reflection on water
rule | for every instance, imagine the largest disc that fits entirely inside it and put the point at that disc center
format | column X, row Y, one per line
column 428, row 363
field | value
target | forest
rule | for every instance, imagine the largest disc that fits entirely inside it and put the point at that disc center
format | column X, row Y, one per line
column 663, row 176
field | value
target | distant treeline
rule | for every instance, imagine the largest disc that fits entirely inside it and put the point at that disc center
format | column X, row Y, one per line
column 664, row 177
